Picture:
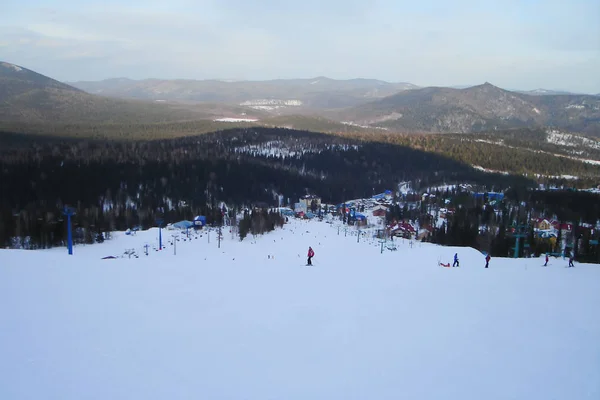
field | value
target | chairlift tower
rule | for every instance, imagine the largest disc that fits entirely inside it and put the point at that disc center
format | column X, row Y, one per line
column 520, row 232
column 159, row 222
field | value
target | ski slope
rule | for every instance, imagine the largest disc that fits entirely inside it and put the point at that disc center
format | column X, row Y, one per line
column 250, row 321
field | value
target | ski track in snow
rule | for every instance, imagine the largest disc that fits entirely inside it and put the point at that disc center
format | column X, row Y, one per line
column 232, row 323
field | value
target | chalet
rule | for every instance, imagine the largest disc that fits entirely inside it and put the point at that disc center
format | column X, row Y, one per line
column 543, row 224
column 308, row 200
column 380, row 211
column 402, row 229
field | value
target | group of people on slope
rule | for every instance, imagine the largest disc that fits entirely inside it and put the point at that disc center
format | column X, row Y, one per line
column 571, row 259
column 456, row 263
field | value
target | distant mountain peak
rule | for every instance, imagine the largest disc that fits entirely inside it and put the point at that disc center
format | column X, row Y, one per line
column 17, row 79
column 486, row 85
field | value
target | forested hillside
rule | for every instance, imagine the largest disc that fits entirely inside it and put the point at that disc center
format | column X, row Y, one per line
column 115, row 185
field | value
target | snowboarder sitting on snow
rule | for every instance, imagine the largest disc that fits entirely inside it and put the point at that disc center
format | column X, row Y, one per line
column 455, row 264
column 311, row 254
column 487, row 260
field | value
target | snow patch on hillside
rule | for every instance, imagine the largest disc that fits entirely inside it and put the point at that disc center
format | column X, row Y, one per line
column 557, row 138
column 279, row 149
column 12, row 66
column 496, row 142
column 350, row 123
column 270, row 104
column 235, row 120
column 570, row 140
column 490, row 170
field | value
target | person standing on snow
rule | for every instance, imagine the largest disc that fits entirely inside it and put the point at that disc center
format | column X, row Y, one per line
column 571, row 260
column 546, row 264
column 455, row 264
column 311, row 254
column 487, row 260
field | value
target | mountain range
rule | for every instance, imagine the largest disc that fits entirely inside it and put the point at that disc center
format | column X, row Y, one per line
column 27, row 97
column 31, row 98
column 312, row 94
column 474, row 109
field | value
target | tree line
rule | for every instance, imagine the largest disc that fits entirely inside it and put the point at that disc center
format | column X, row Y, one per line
column 118, row 185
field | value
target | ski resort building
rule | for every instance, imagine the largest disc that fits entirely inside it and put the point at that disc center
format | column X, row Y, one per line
column 308, row 200
column 199, row 222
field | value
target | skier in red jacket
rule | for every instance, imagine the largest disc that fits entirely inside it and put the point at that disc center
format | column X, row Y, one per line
column 311, row 254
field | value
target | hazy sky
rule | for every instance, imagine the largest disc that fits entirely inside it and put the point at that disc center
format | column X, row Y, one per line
column 527, row 44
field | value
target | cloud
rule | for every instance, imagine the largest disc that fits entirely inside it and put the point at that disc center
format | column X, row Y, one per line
column 514, row 43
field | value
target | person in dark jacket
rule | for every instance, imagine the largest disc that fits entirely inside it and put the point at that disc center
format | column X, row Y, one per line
column 311, row 254
column 571, row 260
column 487, row 260
column 546, row 264
column 455, row 264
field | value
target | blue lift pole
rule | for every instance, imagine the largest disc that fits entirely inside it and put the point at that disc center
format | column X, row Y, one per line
column 69, row 212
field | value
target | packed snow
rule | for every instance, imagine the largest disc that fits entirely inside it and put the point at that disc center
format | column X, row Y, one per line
column 249, row 320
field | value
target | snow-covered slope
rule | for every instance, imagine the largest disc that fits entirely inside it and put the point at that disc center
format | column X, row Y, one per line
column 250, row 321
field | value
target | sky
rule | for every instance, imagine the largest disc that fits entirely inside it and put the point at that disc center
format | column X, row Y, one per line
column 526, row 44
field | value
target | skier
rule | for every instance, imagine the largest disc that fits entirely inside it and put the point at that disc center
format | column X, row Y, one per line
column 311, row 254
column 455, row 264
column 571, row 260
column 546, row 264
column 487, row 260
